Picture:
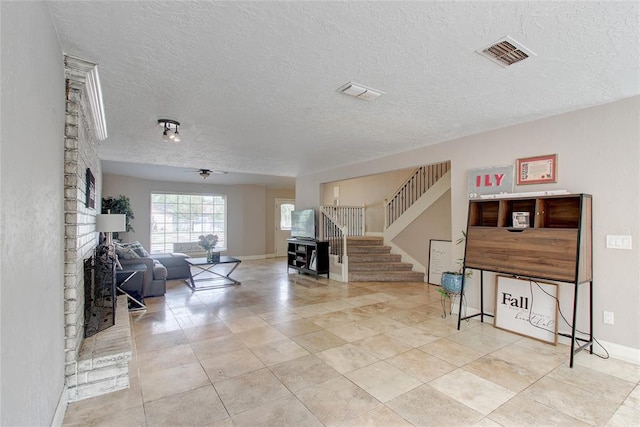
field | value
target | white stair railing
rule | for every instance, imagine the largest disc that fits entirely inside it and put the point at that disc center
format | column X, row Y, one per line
column 339, row 222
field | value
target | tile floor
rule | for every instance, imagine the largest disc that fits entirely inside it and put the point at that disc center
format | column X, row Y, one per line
column 286, row 349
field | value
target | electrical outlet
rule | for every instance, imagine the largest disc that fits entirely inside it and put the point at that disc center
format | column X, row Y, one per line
column 618, row 242
column 607, row 317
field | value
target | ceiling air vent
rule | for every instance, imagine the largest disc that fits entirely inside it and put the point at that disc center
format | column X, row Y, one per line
column 360, row 91
column 505, row 52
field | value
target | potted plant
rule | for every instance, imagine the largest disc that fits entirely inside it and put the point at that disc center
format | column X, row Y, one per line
column 120, row 205
column 209, row 243
column 451, row 281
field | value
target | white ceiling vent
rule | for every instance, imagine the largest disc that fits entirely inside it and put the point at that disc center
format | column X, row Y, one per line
column 505, row 52
column 360, row 91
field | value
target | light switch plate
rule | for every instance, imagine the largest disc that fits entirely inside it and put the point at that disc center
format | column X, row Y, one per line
column 618, row 242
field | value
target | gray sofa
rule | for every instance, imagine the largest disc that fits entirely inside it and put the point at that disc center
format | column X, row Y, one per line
column 160, row 268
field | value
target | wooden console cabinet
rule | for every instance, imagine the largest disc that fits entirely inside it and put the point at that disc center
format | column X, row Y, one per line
column 555, row 243
column 308, row 256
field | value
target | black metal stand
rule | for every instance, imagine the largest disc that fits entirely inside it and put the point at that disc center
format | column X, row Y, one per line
column 574, row 339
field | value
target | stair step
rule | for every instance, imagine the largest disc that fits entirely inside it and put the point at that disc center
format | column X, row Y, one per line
column 386, row 276
column 364, row 241
column 377, row 258
column 380, row 266
column 368, row 249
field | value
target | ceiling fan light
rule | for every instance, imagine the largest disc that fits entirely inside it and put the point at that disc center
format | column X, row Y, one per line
column 176, row 136
column 165, row 135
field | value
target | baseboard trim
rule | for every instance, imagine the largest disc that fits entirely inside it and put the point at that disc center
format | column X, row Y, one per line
column 61, row 409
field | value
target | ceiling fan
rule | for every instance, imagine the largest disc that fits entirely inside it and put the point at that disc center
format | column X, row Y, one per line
column 204, row 173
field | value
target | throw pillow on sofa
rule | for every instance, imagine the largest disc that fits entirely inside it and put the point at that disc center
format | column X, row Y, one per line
column 138, row 248
column 125, row 252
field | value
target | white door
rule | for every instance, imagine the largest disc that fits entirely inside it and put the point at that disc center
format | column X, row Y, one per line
column 283, row 225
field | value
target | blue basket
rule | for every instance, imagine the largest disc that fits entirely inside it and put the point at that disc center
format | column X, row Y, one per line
column 451, row 282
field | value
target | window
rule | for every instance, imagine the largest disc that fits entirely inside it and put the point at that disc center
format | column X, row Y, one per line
column 285, row 216
column 181, row 218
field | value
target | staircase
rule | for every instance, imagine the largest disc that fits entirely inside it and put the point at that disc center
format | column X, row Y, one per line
column 371, row 261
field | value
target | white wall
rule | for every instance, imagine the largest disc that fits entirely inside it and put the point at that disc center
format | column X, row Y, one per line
column 598, row 153
column 31, row 216
column 246, row 208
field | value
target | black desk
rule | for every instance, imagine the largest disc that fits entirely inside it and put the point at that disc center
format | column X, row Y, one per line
column 205, row 272
column 129, row 283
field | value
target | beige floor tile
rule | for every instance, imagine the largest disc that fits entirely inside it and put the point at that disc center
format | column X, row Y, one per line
column 633, row 400
column 230, row 364
column 158, row 342
column 616, row 368
column 346, row 358
column 507, row 374
column 411, row 336
column 297, row 327
column 249, row 391
column 310, row 310
column 336, row 400
column 278, row 352
column 208, row 348
column 451, row 352
column 540, row 362
column 318, row 341
column 332, row 319
column 352, row 332
column 591, row 408
column 259, row 336
column 383, row 381
column 245, row 323
column 286, row 411
column 477, row 393
column 84, row 411
column 624, row 416
column 166, row 382
column 379, row 417
column 197, row 407
column 303, row 372
column 382, row 324
column 613, row 388
column 132, row 417
column 280, row 316
column 410, row 317
column 478, row 342
column 425, row 406
column 179, row 355
column 200, row 333
column 521, row 411
column 420, row 365
column 381, row 346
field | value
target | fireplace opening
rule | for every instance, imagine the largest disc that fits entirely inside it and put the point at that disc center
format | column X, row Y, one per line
column 99, row 291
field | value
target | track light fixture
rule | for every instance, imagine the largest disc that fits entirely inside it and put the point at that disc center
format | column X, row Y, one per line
column 170, row 130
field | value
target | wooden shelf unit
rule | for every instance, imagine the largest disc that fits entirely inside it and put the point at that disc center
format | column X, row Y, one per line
column 301, row 254
column 556, row 245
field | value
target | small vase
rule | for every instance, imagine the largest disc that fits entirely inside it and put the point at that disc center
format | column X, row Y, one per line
column 213, row 256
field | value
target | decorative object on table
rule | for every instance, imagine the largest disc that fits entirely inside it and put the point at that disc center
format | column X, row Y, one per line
column 537, row 170
column 108, row 224
column 120, row 205
column 520, row 219
column 209, row 243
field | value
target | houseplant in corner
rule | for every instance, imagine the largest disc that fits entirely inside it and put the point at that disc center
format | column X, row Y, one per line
column 451, row 281
column 209, row 243
column 120, row 205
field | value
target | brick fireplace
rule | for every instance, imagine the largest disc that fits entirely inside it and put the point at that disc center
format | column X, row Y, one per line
column 98, row 364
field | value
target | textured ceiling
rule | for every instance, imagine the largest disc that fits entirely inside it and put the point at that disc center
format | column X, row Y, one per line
column 254, row 83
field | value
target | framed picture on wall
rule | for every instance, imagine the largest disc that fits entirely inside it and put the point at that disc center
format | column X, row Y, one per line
column 91, row 190
column 537, row 170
